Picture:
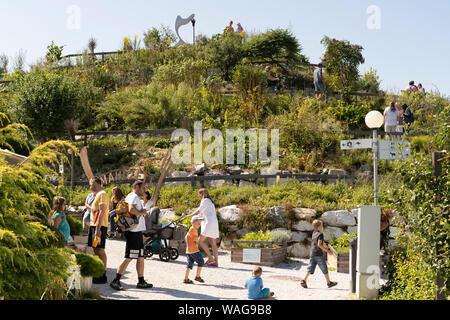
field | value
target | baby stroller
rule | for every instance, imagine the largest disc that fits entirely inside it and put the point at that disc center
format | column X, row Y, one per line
column 159, row 234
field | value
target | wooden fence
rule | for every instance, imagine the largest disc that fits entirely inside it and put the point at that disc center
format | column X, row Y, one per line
column 302, row 177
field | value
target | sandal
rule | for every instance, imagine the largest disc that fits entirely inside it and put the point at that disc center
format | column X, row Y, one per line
column 188, row 281
column 199, row 279
column 303, row 284
column 332, row 284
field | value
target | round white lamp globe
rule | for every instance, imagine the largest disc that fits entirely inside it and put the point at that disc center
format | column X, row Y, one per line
column 374, row 119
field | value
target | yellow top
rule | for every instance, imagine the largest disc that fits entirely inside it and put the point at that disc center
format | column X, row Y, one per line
column 101, row 198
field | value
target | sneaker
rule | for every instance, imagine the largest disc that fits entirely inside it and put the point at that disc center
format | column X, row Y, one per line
column 188, row 281
column 303, row 284
column 198, row 279
column 272, row 294
column 116, row 285
column 101, row 280
column 332, row 284
column 144, row 285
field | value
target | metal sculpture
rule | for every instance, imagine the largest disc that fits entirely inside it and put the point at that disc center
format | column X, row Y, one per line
column 181, row 22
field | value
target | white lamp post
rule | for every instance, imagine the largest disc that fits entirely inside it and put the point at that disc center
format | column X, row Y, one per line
column 374, row 120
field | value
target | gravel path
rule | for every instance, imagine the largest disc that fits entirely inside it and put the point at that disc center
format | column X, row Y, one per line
column 225, row 282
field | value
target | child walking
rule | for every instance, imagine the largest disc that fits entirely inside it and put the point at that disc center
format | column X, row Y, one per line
column 255, row 286
column 318, row 247
column 193, row 253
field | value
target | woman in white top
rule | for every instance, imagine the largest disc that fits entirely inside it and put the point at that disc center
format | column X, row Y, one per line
column 209, row 227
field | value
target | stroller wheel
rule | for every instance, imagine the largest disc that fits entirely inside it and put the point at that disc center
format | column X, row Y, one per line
column 164, row 255
column 174, row 253
column 147, row 253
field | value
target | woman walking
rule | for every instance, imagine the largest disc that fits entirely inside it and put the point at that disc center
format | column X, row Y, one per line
column 209, row 227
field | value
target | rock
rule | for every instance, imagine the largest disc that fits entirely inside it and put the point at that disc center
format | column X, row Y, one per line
column 302, row 226
column 337, row 172
column 230, row 214
column 234, row 170
column 355, row 214
column 365, row 168
column 392, row 243
column 298, row 236
column 332, row 232
column 200, row 169
column 339, row 218
column 351, row 230
column 305, row 214
column 242, row 233
column 393, row 232
column 232, row 228
column 269, row 171
column 299, row 250
column 277, row 214
column 166, row 214
column 71, row 210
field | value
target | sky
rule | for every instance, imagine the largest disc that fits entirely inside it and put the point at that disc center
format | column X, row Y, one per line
column 403, row 40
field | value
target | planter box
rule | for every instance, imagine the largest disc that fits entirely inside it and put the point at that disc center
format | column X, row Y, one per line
column 269, row 256
column 341, row 263
column 86, row 284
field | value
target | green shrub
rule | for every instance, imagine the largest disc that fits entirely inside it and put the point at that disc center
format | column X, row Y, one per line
column 280, row 236
column 90, row 266
column 76, row 226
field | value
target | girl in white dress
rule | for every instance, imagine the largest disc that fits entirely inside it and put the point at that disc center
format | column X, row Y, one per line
column 209, row 227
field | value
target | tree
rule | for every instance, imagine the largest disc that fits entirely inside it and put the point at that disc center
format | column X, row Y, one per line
column 342, row 62
column 423, row 202
column 160, row 39
column 54, row 53
column 370, row 81
column 225, row 51
column 273, row 45
column 4, row 61
column 44, row 99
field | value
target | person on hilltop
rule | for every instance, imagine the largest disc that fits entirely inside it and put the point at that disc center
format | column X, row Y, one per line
column 317, row 255
column 272, row 81
column 412, row 87
column 408, row 116
column 239, row 28
column 134, row 248
column 58, row 219
column 318, row 81
column 98, row 230
column 229, row 28
column 420, row 88
column 209, row 226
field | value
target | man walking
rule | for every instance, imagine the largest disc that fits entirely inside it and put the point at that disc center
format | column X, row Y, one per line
column 134, row 249
column 99, row 224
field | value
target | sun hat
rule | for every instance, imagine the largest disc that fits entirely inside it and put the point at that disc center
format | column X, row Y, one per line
column 197, row 218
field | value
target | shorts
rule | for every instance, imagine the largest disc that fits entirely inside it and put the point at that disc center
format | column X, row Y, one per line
column 91, row 236
column 134, row 248
column 317, row 260
column 87, row 216
column 195, row 257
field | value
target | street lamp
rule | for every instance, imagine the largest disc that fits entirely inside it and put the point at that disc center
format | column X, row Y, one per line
column 374, row 120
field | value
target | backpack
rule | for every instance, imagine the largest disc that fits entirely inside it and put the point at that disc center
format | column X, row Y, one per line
column 408, row 116
column 125, row 221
